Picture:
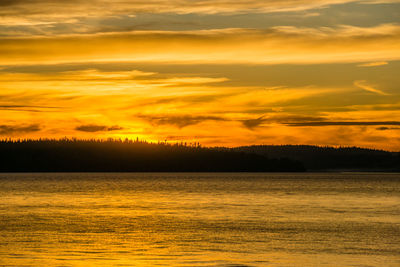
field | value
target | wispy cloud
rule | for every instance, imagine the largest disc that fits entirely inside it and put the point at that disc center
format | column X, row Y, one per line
column 387, row 128
column 31, row 12
column 179, row 121
column 11, row 130
column 253, row 123
column 373, row 64
column 29, row 108
column 94, row 74
column 285, row 119
column 342, row 123
column 276, row 45
column 91, row 128
column 365, row 86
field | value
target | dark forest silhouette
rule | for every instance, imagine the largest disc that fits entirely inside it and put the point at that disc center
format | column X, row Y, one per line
column 331, row 158
column 71, row 155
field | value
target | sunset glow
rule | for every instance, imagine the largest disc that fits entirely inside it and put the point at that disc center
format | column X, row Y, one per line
column 222, row 73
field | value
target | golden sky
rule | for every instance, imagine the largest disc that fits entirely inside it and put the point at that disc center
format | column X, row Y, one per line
column 220, row 72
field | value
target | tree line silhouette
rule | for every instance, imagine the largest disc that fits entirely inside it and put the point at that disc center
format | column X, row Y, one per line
column 73, row 155
column 330, row 158
column 115, row 155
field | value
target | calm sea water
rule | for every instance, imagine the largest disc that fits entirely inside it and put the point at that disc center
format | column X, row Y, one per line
column 200, row 219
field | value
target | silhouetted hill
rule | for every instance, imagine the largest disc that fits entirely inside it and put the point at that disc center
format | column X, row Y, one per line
column 330, row 158
column 130, row 156
column 71, row 155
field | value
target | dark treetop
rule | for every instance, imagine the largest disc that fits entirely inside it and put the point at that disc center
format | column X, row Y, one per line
column 330, row 158
column 71, row 155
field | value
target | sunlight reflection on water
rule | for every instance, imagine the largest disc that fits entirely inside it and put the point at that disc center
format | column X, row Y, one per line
column 200, row 219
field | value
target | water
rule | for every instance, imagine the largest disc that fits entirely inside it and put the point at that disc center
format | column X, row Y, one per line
column 200, row 219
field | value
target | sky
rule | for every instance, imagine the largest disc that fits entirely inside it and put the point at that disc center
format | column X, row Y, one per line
column 217, row 72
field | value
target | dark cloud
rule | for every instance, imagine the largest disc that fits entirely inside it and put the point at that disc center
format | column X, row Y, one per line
column 282, row 119
column 182, row 121
column 18, row 129
column 179, row 121
column 315, row 121
column 26, row 108
column 252, row 123
column 4, row 3
column 387, row 128
column 190, row 100
column 115, row 128
column 35, row 2
column 296, row 118
column 91, row 128
column 342, row 123
column 179, row 6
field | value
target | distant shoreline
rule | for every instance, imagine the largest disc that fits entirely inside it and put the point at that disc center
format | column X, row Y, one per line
column 71, row 155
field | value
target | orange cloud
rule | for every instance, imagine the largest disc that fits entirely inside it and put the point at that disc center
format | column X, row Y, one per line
column 271, row 46
column 373, row 64
column 41, row 12
column 363, row 85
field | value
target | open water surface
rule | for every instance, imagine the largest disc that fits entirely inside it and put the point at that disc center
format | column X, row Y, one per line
column 200, row 219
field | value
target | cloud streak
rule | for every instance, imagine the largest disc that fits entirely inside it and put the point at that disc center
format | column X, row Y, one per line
column 253, row 123
column 11, row 130
column 276, row 45
column 365, row 86
column 27, row 108
column 387, row 128
column 373, row 64
column 285, row 119
column 343, row 123
column 31, row 12
column 179, row 121
column 92, row 128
